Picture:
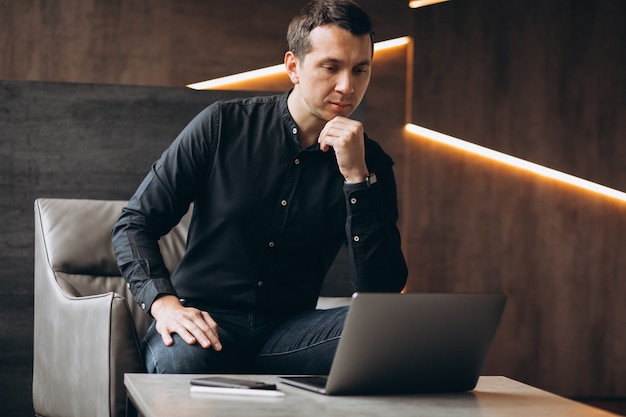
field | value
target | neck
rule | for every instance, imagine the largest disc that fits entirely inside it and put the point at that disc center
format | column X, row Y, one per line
column 309, row 126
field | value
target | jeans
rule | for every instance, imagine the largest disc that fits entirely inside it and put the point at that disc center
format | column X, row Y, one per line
column 254, row 343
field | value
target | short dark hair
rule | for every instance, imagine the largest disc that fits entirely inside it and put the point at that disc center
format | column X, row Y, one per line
column 346, row 14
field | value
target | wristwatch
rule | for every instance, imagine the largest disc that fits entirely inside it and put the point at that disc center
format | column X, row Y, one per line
column 371, row 179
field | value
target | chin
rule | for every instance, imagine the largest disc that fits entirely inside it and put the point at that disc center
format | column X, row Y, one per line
column 343, row 113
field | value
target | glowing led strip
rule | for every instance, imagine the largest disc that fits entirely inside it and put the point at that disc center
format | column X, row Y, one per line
column 513, row 161
column 280, row 68
column 243, row 76
column 414, row 4
column 391, row 43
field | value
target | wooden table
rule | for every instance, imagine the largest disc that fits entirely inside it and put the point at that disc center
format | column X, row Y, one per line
column 169, row 395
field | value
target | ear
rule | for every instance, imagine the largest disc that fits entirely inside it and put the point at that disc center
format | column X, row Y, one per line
column 291, row 65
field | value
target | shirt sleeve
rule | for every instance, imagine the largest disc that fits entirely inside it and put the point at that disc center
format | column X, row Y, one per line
column 157, row 206
column 373, row 239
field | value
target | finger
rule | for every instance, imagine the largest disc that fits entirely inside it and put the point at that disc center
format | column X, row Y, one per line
column 339, row 131
column 167, row 339
column 185, row 331
column 323, row 141
column 181, row 328
column 204, row 330
column 324, row 138
column 328, row 138
column 165, row 333
column 212, row 333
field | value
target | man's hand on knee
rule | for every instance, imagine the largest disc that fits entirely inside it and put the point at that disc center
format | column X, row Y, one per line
column 191, row 324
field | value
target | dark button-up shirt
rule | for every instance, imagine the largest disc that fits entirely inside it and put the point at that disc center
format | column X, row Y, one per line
column 268, row 217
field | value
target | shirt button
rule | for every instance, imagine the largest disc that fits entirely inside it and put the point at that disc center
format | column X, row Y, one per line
column 260, row 283
column 356, row 238
column 128, row 285
column 353, row 201
column 283, row 203
column 294, row 130
column 143, row 306
column 297, row 162
column 271, row 244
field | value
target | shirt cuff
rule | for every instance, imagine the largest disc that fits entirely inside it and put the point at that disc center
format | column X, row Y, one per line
column 355, row 186
column 152, row 289
column 361, row 204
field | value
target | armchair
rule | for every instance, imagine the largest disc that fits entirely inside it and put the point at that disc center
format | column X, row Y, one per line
column 87, row 326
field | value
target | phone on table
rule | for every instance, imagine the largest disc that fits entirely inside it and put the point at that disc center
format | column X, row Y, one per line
column 228, row 382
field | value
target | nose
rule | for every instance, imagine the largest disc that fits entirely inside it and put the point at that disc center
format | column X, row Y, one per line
column 345, row 83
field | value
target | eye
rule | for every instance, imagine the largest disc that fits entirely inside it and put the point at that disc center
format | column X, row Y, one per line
column 330, row 68
column 361, row 70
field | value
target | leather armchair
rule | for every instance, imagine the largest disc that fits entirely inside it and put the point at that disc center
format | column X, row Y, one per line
column 87, row 326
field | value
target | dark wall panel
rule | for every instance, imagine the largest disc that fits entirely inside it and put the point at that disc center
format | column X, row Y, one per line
column 556, row 250
column 69, row 141
column 163, row 42
column 543, row 81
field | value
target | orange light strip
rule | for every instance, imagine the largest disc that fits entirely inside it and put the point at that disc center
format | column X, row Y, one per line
column 235, row 78
column 280, row 68
column 414, row 4
column 392, row 43
column 514, row 162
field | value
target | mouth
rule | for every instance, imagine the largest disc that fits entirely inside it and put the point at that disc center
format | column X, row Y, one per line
column 341, row 106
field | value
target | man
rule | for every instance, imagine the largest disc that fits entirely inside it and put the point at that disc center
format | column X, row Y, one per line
column 279, row 184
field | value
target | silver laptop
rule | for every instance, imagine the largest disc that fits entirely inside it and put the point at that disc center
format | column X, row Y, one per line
column 410, row 343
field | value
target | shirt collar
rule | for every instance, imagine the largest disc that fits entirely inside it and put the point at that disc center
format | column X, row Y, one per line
column 290, row 124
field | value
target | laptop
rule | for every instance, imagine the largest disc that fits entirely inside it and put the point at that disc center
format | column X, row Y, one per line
column 410, row 343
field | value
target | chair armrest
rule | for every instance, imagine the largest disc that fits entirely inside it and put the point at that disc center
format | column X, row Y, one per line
column 82, row 347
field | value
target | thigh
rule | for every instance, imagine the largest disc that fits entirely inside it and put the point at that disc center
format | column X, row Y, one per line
column 304, row 344
column 183, row 358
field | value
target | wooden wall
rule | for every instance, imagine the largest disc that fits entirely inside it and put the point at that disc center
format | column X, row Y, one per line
column 542, row 80
column 161, row 42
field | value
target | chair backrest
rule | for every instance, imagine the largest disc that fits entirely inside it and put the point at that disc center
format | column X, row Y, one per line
column 78, row 245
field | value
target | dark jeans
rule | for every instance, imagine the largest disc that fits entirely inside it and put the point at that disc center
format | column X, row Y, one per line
column 254, row 343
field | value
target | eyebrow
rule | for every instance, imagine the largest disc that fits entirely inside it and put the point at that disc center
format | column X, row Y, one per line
column 339, row 61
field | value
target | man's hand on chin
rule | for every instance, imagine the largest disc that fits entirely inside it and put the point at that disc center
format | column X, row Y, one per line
column 346, row 137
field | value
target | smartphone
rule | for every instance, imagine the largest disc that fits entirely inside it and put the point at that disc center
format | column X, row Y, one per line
column 228, row 382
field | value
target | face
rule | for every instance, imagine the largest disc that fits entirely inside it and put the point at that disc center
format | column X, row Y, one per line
column 332, row 78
